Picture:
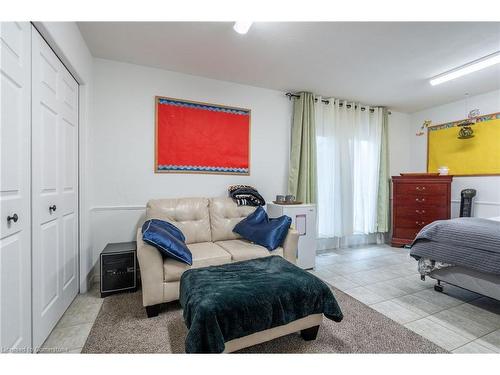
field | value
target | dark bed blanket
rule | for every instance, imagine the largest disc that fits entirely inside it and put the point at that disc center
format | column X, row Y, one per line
column 467, row 242
column 222, row 303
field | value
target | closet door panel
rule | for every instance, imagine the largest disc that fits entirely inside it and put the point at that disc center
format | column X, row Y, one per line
column 69, row 226
column 69, row 184
column 15, row 321
column 45, row 161
column 69, row 202
column 15, row 240
column 69, row 136
column 47, row 151
column 55, row 188
column 49, row 264
column 45, row 131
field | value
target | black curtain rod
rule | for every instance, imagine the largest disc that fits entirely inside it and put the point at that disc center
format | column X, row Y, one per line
column 290, row 96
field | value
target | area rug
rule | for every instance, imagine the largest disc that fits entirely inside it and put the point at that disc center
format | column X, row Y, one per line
column 122, row 327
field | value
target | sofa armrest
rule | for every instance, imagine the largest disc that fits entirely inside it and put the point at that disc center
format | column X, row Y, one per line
column 151, row 265
column 290, row 246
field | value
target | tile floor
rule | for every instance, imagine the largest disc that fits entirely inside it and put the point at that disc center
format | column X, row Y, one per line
column 72, row 330
column 387, row 280
column 382, row 277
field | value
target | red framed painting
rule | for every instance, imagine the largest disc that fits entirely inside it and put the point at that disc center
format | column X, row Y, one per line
column 194, row 137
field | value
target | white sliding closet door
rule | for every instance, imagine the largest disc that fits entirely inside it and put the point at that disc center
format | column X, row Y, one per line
column 15, row 231
column 54, row 188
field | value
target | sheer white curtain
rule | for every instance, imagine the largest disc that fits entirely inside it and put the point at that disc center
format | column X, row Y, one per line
column 348, row 155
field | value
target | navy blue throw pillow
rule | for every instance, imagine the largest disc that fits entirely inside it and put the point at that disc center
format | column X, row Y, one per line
column 168, row 239
column 260, row 229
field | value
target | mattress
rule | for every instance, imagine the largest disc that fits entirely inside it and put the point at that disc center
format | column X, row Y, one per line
column 468, row 242
column 483, row 283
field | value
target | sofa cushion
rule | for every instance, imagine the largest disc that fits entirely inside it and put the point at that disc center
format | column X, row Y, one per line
column 204, row 254
column 167, row 238
column 260, row 229
column 245, row 250
column 190, row 215
column 224, row 215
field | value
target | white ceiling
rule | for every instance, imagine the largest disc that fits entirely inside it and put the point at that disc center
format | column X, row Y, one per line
column 373, row 63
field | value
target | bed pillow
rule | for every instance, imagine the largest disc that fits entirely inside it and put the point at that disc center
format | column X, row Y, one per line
column 168, row 239
column 260, row 229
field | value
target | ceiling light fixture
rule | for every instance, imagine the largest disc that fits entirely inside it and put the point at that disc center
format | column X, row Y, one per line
column 471, row 67
column 242, row 27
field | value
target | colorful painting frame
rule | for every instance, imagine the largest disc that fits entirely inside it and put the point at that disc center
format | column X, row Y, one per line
column 199, row 137
column 477, row 156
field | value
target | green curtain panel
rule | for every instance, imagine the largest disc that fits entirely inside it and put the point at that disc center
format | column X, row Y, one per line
column 302, row 174
column 383, row 220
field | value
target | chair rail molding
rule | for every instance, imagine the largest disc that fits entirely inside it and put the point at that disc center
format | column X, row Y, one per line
column 136, row 207
column 483, row 203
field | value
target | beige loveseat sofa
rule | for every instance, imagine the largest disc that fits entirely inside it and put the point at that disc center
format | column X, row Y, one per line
column 208, row 226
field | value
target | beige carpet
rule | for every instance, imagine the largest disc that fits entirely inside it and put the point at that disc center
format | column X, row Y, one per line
column 122, row 327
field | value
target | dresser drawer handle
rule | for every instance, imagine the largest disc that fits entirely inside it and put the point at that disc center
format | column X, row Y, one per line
column 422, row 223
column 420, row 212
column 420, row 188
column 420, row 200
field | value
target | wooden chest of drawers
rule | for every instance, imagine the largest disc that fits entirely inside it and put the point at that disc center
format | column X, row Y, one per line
column 416, row 202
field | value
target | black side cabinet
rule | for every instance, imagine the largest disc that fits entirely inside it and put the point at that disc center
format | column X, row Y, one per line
column 119, row 268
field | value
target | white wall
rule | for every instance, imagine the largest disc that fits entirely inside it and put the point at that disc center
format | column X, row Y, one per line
column 399, row 143
column 488, row 187
column 121, row 144
column 67, row 42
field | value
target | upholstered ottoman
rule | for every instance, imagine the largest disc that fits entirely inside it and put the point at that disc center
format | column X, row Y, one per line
column 236, row 305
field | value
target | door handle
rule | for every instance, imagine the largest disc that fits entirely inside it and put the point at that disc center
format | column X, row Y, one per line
column 52, row 208
column 14, row 218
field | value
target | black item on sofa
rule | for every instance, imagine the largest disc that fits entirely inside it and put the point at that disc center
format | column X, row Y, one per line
column 119, row 271
column 222, row 303
column 245, row 195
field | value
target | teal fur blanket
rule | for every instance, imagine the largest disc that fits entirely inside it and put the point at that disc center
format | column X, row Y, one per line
column 222, row 303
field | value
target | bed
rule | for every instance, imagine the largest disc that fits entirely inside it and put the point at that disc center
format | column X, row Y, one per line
column 464, row 252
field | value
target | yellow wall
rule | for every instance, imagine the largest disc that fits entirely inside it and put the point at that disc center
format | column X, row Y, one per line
column 479, row 155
